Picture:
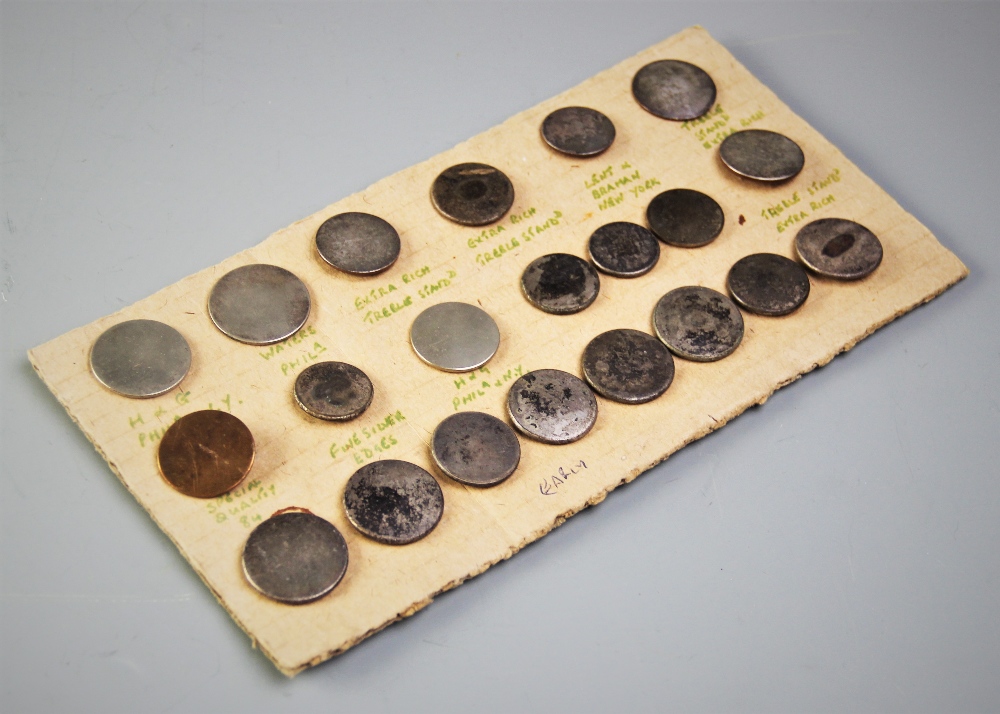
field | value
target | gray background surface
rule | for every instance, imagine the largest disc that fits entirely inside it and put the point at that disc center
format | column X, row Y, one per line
column 836, row 549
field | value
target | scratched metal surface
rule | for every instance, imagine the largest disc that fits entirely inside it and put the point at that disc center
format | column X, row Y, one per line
column 830, row 550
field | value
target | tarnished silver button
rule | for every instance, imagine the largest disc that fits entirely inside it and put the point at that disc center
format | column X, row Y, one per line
column 578, row 131
column 455, row 336
column 206, row 453
column 552, row 406
column 259, row 304
column 838, row 248
column 475, row 448
column 628, row 366
column 685, row 218
column 334, row 391
column 393, row 501
column 623, row 249
column 560, row 283
column 358, row 243
column 140, row 358
column 673, row 89
column 762, row 155
column 472, row 194
column 295, row 557
column 698, row 323
column 768, row 284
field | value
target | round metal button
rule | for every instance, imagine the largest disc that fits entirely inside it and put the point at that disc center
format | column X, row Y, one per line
column 358, row 243
column 552, row 406
column 698, row 323
column 259, row 304
column 393, row 501
column 455, row 336
column 472, row 194
column 560, row 283
column 623, row 249
column 206, row 453
column 140, row 358
column 838, row 248
column 295, row 557
column 475, row 449
column 578, row 131
column 685, row 218
column 768, row 284
column 672, row 89
column 628, row 366
column 761, row 154
column 334, row 391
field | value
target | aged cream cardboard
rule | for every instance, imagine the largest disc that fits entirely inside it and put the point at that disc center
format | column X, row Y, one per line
column 560, row 201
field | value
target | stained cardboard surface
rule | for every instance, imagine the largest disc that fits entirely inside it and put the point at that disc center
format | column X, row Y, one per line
column 365, row 321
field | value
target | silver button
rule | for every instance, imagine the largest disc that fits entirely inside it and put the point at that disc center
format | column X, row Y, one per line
column 762, row 155
column 623, row 249
column 673, row 89
column 259, row 304
column 628, row 366
column 140, row 358
column 393, row 501
column 578, row 131
column 560, row 283
column 358, row 243
column 698, row 323
column 768, row 284
column 472, row 194
column 475, row 449
column 295, row 557
column 455, row 336
column 552, row 406
column 334, row 391
column 685, row 218
column 838, row 248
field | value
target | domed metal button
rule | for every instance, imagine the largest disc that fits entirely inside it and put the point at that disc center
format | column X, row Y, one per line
column 393, row 501
column 475, row 449
column 673, row 89
column 358, row 243
column 455, row 336
column 698, row 323
column 560, row 283
column 472, row 194
column 768, row 284
column 762, row 155
column 623, row 249
column 628, row 366
column 552, row 406
column 685, row 218
column 578, row 131
column 838, row 248
column 334, row 391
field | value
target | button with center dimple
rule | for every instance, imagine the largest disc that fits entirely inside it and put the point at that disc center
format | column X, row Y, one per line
column 206, row 453
column 673, row 89
column 623, row 249
column 698, row 323
column 472, row 194
column 358, row 243
column 475, row 448
column 140, row 358
column 838, row 248
column 560, row 283
column 628, row 366
column 334, row 391
column 685, row 218
column 393, row 501
column 762, row 155
column 552, row 406
column 768, row 284
column 455, row 336
column 578, row 131
column 295, row 557
column 259, row 304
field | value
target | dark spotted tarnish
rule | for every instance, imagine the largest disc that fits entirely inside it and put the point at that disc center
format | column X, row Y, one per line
column 623, row 249
column 578, row 131
column 358, row 243
column 295, row 557
column 628, row 366
column 762, row 155
column 685, row 218
column 140, row 358
column 768, row 284
column 334, row 391
column 698, row 323
column 472, row 194
column 560, row 283
column 552, row 406
column 673, row 89
column 839, row 248
column 259, row 304
column 475, row 449
column 206, row 453
column 393, row 501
